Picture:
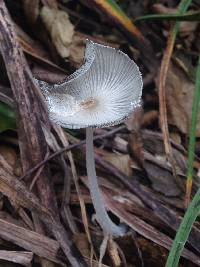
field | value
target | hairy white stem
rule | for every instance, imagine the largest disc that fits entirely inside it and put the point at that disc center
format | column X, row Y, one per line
column 101, row 214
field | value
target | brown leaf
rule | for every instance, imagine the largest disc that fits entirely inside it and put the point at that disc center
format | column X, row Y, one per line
column 81, row 241
column 77, row 49
column 179, row 97
column 135, row 119
column 121, row 161
column 158, row 168
column 8, row 154
column 60, row 28
column 120, row 144
column 160, row 176
column 149, row 117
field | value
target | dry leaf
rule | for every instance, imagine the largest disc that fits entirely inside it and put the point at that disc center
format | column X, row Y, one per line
column 179, row 97
column 60, row 28
column 134, row 121
column 77, row 47
column 158, row 168
column 81, row 241
column 161, row 178
column 149, row 117
column 121, row 161
column 9, row 154
column 120, row 144
column 77, row 50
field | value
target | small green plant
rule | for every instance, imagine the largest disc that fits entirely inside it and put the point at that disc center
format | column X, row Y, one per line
column 7, row 117
column 188, row 16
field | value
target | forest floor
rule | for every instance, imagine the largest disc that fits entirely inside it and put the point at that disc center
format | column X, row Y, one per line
column 46, row 213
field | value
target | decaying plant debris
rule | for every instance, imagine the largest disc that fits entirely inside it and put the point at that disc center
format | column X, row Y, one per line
column 46, row 213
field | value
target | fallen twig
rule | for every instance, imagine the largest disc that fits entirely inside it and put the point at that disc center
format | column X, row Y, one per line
column 68, row 148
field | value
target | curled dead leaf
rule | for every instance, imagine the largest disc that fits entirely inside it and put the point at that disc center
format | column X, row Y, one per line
column 60, row 29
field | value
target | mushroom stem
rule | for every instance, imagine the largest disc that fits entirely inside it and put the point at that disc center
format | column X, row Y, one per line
column 101, row 214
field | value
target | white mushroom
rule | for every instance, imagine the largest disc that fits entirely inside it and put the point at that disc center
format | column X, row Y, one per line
column 103, row 92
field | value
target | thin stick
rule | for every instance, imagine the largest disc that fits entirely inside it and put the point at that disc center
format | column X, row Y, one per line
column 68, row 148
column 184, row 4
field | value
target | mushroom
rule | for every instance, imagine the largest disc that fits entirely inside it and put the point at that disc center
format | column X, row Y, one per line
column 102, row 92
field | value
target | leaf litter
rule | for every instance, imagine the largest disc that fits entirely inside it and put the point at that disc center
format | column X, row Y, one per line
column 48, row 215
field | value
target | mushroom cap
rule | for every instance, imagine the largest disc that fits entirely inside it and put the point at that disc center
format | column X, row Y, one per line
column 102, row 92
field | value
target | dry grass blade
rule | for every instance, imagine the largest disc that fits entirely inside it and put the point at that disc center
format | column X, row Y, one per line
column 162, row 81
column 162, row 100
column 29, row 240
column 20, row 257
